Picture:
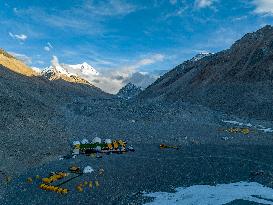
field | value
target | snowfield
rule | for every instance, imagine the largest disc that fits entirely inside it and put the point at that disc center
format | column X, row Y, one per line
column 216, row 195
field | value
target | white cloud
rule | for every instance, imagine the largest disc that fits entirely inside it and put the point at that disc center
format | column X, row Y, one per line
column 111, row 80
column 224, row 36
column 179, row 12
column 49, row 45
column 26, row 59
column 263, row 7
column 46, row 48
column 55, row 61
column 173, row 2
column 240, row 18
column 40, row 62
column 86, row 18
column 147, row 61
column 141, row 79
column 203, row 3
column 110, row 7
column 21, row 37
column 38, row 70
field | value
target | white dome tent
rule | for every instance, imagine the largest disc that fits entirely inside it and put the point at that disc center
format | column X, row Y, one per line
column 107, row 141
column 85, row 141
column 76, row 143
column 96, row 140
column 88, row 170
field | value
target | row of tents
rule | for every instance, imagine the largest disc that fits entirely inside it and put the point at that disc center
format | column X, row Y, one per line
column 97, row 145
column 94, row 141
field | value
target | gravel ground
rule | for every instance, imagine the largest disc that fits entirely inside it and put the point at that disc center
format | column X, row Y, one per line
column 204, row 157
column 148, row 169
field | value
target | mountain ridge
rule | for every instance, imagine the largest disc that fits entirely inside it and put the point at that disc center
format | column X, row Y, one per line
column 69, row 73
column 32, row 107
column 129, row 91
column 9, row 61
column 225, row 80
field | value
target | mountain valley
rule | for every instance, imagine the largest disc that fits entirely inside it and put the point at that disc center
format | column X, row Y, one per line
column 190, row 106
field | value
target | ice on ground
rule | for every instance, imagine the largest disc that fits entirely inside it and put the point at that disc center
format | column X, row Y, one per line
column 216, row 195
column 259, row 127
column 233, row 122
column 266, row 129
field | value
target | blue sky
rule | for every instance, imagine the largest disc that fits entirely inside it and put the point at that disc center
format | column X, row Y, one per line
column 145, row 35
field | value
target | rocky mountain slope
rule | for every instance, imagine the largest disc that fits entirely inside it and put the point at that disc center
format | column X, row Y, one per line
column 31, row 131
column 15, row 65
column 237, row 80
column 129, row 91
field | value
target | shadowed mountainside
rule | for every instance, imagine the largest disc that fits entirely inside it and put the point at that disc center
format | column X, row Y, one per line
column 129, row 91
column 30, row 127
column 237, row 80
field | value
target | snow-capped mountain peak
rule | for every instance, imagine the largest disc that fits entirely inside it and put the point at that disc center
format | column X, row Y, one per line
column 60, row 69
column 83, row 68
column 55, row 68
column 201, row 55
column 37, row 70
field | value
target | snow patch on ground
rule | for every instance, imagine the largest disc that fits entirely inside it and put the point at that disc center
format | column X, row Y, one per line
column 237, row 123
column 266, row 129
column 216, row 195
column 259, row 127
